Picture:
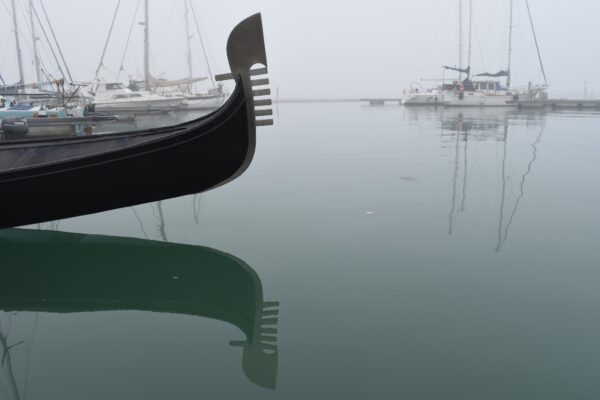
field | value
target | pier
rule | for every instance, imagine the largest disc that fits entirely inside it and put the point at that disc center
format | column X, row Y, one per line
column 381, row 101
column 556, row 104
column 561, row 104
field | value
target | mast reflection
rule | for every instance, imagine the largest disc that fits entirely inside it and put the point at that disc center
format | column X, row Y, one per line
column 72, row 273
column 478, row 125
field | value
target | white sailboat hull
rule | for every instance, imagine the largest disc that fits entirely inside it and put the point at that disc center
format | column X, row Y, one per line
column 423, row 99
column 162, row 104
column 203, row 103
column 479, row 99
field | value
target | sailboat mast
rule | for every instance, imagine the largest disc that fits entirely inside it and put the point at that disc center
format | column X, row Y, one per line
column 19, row 55
column 189, row 40
column 34, row 38
column 460, row 39
column 537, row 46
column 146, row 47
column 510, row 31
column 470, row 36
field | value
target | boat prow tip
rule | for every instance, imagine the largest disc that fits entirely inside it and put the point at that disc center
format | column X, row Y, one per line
column 246, row 45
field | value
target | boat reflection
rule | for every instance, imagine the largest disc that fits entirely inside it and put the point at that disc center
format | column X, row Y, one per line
column 73, row 273
column 462, row 127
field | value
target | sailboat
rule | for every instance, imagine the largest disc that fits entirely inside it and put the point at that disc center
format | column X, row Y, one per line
column 116, row 97
column 14, row 102
column 481, row 90
column 50, row 105
column 213, row 98
column 417, row 96
column 193, row 100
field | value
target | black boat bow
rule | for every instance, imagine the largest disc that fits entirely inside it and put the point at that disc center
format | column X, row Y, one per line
column 49, row 179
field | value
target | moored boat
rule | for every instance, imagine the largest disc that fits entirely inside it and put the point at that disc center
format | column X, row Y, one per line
column 102, row 172
column 480, row 90
column 481, row 94
column 432, row 97
column 29, row 110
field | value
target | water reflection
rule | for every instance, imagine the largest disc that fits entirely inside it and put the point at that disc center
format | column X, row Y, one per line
column 77, row 273
column 466, row 132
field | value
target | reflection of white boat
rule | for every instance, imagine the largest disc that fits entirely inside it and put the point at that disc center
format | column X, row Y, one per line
column 487, row 122
column 115, row 96
column 486, row 131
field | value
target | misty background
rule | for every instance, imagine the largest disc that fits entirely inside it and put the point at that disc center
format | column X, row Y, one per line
column 323, row 48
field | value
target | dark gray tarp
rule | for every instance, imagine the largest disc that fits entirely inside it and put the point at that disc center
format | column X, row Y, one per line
column 496, row 75
column 463, row 70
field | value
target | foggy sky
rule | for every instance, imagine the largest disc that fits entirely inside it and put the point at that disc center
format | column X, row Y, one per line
column 327, row 48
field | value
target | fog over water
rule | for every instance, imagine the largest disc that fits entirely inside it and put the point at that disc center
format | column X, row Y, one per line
column 326, row 48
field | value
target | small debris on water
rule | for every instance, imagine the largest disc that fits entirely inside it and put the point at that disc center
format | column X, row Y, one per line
column 175, row 277
column 370, row 213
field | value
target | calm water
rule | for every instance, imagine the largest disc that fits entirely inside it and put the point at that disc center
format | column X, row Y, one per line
column 367, row 253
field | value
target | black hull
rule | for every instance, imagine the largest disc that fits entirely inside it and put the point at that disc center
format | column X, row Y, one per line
column 204, row 154
column 51, row 179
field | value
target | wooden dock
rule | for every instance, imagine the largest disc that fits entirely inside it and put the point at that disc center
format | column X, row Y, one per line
column 562, row 104
column 555, row 104
column 381, row 101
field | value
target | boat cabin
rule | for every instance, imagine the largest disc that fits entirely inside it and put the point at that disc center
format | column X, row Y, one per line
column 488, row 86
column 114, row 91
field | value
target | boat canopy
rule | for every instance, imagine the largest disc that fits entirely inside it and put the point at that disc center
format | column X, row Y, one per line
column 496, row 75
column 463, row 70
column 160, row 83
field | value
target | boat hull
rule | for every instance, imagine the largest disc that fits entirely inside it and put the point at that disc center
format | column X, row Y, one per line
column 423, row 99
column 478, row 99
column 140, row 105
column 27, row 114
column 203, row 103
column 113, row 171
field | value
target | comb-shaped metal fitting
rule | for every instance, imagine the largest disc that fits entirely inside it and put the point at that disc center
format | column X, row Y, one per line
column 230, row 76
column 261, row 92
column 262, row 113
column 263, row 102
column 260, row 82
